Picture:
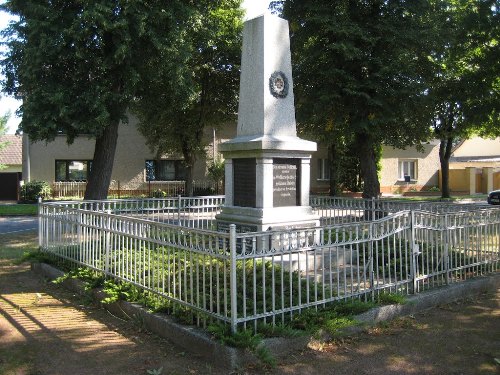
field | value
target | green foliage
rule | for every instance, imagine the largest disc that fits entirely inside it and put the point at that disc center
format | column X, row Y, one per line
column 216, row 170
column 386, row 298
column 3, row 129
column 83, row 65
column 31, row 191
column 193, row 84
column 156, row 371
column 331, row 319
column 463, row 84
column 92, row 279
column 358, row 70
column 116, row 291
column 36, row 257
column 18, row 209
column 158, row 193
column 245, row 339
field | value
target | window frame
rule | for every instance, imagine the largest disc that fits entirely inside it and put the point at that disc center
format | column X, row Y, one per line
column 87, row 162
column 178, row 167
column 323, row 169
column 401, row 169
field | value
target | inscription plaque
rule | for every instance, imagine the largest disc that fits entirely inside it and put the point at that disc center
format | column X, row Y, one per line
column 244, row 182
column 286, row 182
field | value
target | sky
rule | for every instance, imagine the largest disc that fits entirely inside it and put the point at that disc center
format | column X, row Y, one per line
column 253, row 8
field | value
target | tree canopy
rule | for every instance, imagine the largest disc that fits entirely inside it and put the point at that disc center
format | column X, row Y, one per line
column 3, row 129
column 358, row 68
column 77, row 67
column 174, row 113
column 464, row 86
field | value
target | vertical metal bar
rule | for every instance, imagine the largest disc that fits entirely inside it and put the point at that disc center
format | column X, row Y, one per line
column 232, row 277
column 40, row 226
column 446, row 259
column 414, row 253
column 107, row 244
column 370, row 260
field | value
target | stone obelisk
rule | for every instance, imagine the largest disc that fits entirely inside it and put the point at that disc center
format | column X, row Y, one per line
column 267, row 165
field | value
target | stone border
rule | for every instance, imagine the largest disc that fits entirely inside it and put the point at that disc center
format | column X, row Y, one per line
column 197, row 341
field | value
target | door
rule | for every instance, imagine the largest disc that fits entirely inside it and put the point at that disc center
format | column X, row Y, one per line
column 9, row 185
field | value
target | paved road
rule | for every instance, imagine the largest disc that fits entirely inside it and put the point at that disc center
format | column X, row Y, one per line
column 18, row 224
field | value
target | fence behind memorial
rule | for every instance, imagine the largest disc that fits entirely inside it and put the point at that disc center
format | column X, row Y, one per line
column 169, row 247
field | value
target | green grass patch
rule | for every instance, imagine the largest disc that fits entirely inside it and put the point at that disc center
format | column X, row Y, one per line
column 13, row 247
column 18, row 209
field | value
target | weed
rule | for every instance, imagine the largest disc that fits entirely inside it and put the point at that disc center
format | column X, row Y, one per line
column 157, row 371
column 386, row 298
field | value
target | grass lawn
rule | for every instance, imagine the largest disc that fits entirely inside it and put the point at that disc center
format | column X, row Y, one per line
column 13, row 246
column 18, row 209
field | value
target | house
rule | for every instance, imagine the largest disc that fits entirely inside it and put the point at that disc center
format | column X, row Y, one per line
column 11, row 162
column 138, row 169
column 475, row 166
column 402, row 169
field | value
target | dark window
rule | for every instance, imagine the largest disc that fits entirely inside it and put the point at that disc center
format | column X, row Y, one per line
column 323, row 170
column 165, row 170
column 72, row 170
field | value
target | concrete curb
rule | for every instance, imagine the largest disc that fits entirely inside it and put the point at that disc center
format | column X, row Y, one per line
column 197, row 341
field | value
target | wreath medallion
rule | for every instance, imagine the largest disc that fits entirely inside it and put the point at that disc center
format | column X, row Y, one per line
column 278, row 85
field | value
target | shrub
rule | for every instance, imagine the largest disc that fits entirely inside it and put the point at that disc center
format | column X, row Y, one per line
column 30, row 191
column 159, row 194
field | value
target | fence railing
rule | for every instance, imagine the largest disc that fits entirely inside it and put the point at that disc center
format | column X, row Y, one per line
column 158, row 189
column 335, row 210
column 169, row 247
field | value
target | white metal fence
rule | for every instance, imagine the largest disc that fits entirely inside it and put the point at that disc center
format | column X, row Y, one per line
column 76, row 189
column 170, row 247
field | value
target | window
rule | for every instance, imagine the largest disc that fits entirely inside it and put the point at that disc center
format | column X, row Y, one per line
column 408, row 168
column 72, row 170
column 323, row 170
column 165, row 170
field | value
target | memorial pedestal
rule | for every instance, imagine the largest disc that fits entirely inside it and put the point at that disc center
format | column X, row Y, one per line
column 267, row 165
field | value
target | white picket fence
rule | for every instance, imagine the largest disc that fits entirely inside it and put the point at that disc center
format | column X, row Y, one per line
column 76, row 189
column 170, row 247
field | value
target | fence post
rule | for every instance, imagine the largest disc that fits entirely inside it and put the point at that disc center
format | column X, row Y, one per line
column 373, row 209
column 232, row 277
column 40, row 230
column 446, row 253
column 415, row 251
column 79, row 237
column 107, row 243
column 371, row 274
column 179, row 198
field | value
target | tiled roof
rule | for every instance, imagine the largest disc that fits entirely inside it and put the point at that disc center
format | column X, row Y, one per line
column 11, row 154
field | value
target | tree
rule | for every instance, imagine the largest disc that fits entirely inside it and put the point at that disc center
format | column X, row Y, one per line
column 358, row 68
column 3, row 129
column 465, row 85
column 77, row 67
column 174, row 113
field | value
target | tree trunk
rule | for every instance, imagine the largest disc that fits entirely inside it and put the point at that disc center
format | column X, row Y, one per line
column 334, row 166
column 445, row 148
column 102, row 164
column 368, row 164
column 189, row 181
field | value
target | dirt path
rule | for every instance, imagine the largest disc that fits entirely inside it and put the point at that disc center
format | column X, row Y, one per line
column 45, row 330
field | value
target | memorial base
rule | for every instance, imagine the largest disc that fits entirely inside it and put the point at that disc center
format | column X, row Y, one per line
column 250, row 219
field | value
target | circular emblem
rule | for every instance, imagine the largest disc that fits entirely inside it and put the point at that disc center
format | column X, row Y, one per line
column 278, row 85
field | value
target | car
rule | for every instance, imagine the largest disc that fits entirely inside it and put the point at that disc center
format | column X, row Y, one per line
column 494, row 197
